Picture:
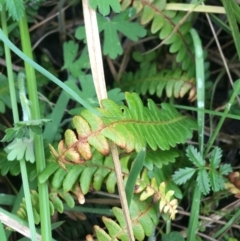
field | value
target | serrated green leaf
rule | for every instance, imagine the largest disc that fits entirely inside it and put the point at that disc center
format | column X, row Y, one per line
column 203, row 181
column 183, row 175
column 104, row 6
column 216, row 181
column 215, row 157
column 195, row 157
column 225, row 169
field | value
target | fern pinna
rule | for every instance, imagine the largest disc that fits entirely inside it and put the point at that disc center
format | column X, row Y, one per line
column 173, row 28
column 91, row 175
column 148, row 79
column 85, row 156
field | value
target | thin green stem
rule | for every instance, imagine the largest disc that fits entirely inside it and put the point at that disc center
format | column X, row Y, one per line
column 228, row 225
column 16, row 119
column 199, row 59
column 38, row 140
column 26, row 116
column 219, row 125
column 168, row 226
column 9, row 69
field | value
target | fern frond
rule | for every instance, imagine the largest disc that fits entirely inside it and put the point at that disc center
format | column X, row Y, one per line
column 175, row 82
column 80, row 179
column 131, row 128
column 99, row 171
column 144, row 219
column 172, row 26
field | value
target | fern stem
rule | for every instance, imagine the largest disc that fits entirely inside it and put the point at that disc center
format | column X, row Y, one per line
column 38, row 140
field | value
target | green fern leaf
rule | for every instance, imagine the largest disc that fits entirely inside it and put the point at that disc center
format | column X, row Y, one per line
column 104, row 6
column 171, row 27
column 58, row 178
column 102, row 235
column 48, row 171
column 102, row 173
column 159, row 158
column 67, row 197
column 86, row 178
column 57, row 202
column 71, row 177
column 144, row 218
column 147, row 79
column 137, row 122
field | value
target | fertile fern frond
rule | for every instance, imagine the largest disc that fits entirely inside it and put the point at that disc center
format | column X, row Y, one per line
column 148, row 79
column 173, row 28
column 131, row 128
